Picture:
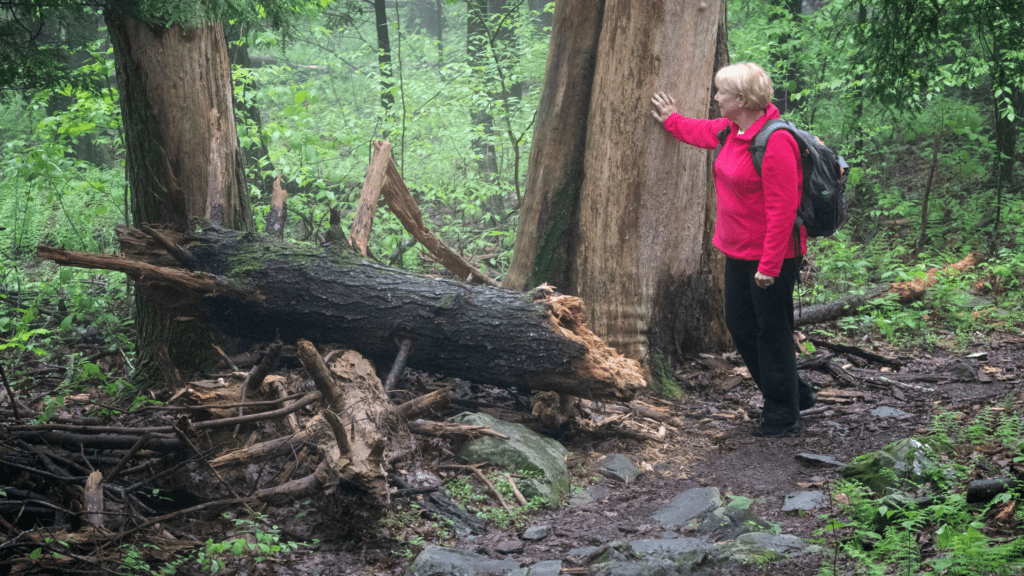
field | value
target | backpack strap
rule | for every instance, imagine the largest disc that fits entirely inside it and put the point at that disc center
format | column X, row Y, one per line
column 723, row 134
column 760, row 142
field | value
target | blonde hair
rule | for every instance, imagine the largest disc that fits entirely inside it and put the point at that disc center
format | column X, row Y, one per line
column 749, row 82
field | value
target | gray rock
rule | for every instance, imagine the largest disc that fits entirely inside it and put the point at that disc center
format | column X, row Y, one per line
column 688, row 505
column 889, row 412
column 619, row 468
column 669, row 535
column 509, row 546
column 591, row 494
column 728, row 522
column 438, row 561
column 645, row 567
column 819, row 459
column 760, row 541
column 907, row 458
column 536, row 533
column 524, row 450
column 547, row 568
column 807, row 500
column 677, row 548
column 582, row 552
column 966, row 371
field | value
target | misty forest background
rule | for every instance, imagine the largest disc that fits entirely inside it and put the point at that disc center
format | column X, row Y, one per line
column 934, row 143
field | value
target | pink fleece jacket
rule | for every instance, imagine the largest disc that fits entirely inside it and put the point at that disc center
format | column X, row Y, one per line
column 755, row 214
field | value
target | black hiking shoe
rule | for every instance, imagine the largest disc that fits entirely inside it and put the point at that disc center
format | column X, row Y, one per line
column 777, row 430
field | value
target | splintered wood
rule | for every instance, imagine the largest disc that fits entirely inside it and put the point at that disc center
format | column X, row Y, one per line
column 600, row 364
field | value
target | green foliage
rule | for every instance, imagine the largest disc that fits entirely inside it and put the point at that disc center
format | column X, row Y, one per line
column 472, row 498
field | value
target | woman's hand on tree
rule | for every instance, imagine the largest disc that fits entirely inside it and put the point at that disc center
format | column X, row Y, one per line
column 763, row 281
column 666, row 106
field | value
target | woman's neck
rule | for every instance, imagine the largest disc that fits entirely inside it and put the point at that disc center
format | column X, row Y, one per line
column 746, row 118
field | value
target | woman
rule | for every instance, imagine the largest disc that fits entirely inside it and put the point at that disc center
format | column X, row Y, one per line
column 754, row 228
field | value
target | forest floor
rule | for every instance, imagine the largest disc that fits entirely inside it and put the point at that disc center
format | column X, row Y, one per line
column 712, row 447
column 717, row 449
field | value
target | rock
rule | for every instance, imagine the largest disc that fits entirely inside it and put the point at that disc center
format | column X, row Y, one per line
column 674, row 548
column 591, row 494
column 645, row 567
column 688, row 505
column 906, row 458
column 535, row 533
column 808, row 500
column 619, row 468
column 438, row 561
column 966, row 371
column 728, row 522
column 581, row 552
column 509, row 546
column 669, row 535
column 889, row 412
column 820, row 460
column 524, row 450
column 755, row 542
column 548, row 568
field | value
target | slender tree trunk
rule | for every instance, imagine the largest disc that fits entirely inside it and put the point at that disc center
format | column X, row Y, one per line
column 545, row 248
column 481, row 119
column 249, row 113
column 182, row 160
column 544, row 19
column 440, row 33
column 387, row 83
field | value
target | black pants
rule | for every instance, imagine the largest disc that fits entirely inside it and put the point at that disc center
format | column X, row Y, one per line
column 760, row 321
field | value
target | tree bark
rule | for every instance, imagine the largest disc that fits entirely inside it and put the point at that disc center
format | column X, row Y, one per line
column 253, row 289
column 182, row 158
column 545, row 250
column 645, row 264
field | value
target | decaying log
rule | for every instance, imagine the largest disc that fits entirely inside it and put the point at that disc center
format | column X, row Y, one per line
column 93, row 499
column 362, row 222
column 876, row 358
column 425, row 403
column 844, row 306
column 315, row 430
column 908, row 291
column 253, row 288
column 912, row 290
column 432, row 428
column 276, row 384
column 278, row 212
column 404, row 206
column 404, row 348
column 980, row 491
column 364, row 422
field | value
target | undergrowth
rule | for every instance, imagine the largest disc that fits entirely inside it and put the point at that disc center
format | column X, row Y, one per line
column 929, row 529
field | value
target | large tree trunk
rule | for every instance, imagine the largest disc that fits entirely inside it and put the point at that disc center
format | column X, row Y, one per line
column 256, row 289
column 644, row 261
column 182, row 156
column 545, row 249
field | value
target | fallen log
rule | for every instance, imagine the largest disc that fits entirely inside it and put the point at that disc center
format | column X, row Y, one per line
column 981, row 491
column 907, row 292
column 253, row 287
column 844, row 306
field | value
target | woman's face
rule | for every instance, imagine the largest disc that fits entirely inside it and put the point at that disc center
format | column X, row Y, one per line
column 730, row 104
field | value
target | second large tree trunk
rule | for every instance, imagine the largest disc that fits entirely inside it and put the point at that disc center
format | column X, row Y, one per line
column 182, row 156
